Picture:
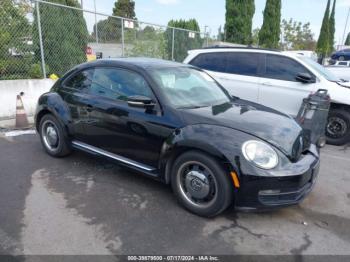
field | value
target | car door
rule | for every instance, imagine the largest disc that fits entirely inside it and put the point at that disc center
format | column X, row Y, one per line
column 279, row 88
column 114, row 126
column 74, row 91
column 236, row 71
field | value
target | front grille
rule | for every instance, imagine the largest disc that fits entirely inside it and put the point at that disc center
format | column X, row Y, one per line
column 288, row 197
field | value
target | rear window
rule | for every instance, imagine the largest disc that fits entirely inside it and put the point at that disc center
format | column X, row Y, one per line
column 80, row 81
column 239, row 63
column 211, row 61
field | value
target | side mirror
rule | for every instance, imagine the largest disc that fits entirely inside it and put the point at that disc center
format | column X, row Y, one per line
column 305, row 78
column 141, row 101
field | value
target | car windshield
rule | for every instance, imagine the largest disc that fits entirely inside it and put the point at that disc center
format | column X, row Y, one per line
column 320, row 69
column 187, row 87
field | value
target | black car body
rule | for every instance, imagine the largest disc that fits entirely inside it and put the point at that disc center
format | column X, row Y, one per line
column 151, row 135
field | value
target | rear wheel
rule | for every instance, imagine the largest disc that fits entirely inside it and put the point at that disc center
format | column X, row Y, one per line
column 53, row 137
column 201, row 184
column 338, row 127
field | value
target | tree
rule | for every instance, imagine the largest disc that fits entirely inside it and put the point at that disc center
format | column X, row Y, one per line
column 239, row 16
column 332, row 28
column 182, row 40
column 110, row 30
column 64, row 35
column 297, row 36
column 270, row 31
column 255, row 37
column 220, row 36
column 150, row 43
column 15, row 56
column 347, row 41
column 322, row 47
column 124, row 8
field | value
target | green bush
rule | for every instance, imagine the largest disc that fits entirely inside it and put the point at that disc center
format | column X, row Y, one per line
column 36, row 71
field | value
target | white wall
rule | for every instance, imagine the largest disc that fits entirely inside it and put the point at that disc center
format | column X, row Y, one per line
column 32, row 89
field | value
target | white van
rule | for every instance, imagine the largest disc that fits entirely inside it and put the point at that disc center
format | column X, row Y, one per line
column 279, row 80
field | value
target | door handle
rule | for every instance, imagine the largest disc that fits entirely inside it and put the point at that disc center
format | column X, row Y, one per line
column 267, row 84
column 89, row 108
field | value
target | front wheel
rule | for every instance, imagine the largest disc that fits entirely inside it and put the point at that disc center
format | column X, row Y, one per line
column 338, row 127
column 201, row 184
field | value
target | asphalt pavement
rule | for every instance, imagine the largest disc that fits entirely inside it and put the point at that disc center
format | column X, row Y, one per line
column 86, row 205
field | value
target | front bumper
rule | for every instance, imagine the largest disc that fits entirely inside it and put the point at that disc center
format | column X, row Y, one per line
column 257, row 192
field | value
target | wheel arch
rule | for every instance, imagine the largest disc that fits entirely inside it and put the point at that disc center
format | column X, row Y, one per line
column 185, row 140
column 52, row 103
column 335, row 105
column 39, row 116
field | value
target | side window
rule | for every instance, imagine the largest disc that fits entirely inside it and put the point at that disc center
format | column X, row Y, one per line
column 242, row 63
column 118, row 83
column 81, row 80
column 283, row 68
column 211, row 61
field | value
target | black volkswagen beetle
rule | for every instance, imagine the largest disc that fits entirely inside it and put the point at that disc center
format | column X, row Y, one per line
column 175, row 123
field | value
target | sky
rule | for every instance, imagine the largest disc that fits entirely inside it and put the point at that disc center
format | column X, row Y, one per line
column 212, row 13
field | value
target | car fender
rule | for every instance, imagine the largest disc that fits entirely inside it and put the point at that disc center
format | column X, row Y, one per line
column 339, row 94
column 221, row 142
column 53, row 103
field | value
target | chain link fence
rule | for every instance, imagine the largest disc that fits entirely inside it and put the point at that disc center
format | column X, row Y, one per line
column 50, row 38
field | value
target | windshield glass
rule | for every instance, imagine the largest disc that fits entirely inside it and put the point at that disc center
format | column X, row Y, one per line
column 187, row 87
column 320, row 69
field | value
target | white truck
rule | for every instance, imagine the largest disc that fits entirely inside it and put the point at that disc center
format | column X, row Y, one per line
column 279, row 80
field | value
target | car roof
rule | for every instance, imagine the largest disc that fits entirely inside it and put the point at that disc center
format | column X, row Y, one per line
column 234, row 49
column 139, row 62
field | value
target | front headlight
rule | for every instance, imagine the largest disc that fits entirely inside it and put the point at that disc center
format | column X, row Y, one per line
column 260, row 153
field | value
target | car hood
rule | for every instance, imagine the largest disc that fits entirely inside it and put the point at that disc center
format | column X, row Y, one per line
column 262, row 122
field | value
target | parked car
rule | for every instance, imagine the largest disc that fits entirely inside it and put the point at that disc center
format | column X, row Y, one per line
column 341, row 55
column 310, row 54
column 340, row 71
column 175, row 123
column 279, row 80
column 342, row 63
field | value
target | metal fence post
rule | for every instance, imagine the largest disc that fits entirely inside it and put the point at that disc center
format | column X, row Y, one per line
column 122, row 37
column 173, row 45
column 40, row 40
column 96, row 33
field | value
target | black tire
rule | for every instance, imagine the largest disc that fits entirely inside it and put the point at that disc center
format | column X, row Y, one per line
column 221, row 188
column 338, row 127
column 62, row 147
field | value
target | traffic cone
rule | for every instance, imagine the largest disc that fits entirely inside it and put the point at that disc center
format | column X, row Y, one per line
column 21, row 116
